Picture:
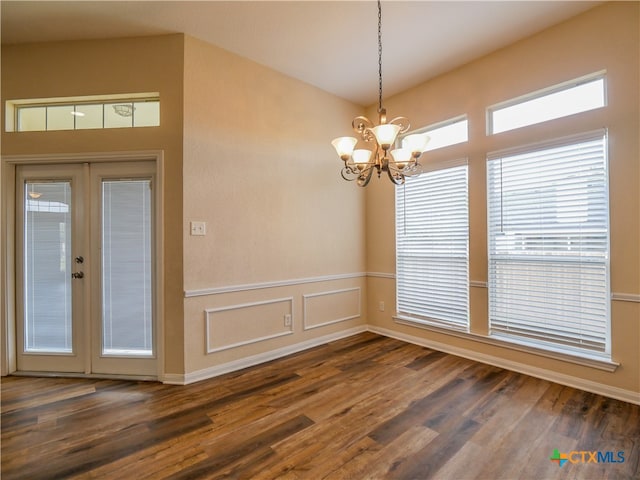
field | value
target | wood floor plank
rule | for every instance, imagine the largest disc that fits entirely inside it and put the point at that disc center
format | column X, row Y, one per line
column 362, row 407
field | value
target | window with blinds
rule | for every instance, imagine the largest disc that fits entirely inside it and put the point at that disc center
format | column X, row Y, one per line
column 432, row 247
column 548, row 226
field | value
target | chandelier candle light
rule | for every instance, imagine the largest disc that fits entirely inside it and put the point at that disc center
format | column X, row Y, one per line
column 360, row 163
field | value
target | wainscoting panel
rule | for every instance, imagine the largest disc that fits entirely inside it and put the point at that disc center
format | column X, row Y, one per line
column 236, row 325
column 326, row 308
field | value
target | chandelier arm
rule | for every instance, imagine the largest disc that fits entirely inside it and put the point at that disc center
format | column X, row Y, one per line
column 348, row 174
column 396, row 178
column 361, row 124
column 412, row 170
column 365, row 177
column 402, row 122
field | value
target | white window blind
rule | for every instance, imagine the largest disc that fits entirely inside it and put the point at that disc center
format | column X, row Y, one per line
column 127, row 313
column 47, row 267
column 548, row 230
column 432, row 247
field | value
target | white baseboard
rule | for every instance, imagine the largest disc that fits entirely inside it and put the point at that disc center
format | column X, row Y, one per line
column 568, row 380
column 217, row 370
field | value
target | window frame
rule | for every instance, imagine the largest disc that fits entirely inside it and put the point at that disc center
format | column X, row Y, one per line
column 544, row 92
column 605, row 354
column 13, row 109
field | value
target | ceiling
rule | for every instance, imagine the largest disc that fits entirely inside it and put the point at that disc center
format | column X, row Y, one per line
column 329, row 44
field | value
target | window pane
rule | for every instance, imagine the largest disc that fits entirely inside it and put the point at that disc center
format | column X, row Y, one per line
column 448, row 135
column 146, row 114
column 432, row 237
column 47, row 263
column 571, row 100
column 118, row 115
column 60, row 117
column 126, row 268
column 548, row 246
column 32, row 119
column 97, row 112
column 88, row 116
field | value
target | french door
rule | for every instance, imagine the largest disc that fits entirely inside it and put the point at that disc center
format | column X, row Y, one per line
column 85, row 268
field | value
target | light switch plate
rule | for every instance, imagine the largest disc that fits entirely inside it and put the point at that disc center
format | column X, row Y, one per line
column 198, row 228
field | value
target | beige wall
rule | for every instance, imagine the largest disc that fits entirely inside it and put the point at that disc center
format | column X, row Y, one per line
column 259, row 169
column 100, row 67
column 247, row 151
column 604, row 38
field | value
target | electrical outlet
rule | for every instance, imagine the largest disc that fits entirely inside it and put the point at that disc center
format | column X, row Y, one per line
column 198, row 228
column 381, row 306
column 287, row 320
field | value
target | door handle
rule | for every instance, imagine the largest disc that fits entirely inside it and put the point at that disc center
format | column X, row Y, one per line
column 77, row 275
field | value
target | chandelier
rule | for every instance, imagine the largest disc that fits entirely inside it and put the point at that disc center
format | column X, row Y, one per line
column 359, row 164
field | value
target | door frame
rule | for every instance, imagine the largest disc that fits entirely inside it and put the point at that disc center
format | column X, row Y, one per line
column 8, row 351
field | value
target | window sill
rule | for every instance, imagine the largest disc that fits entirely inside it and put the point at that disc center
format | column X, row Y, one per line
column 586, row 361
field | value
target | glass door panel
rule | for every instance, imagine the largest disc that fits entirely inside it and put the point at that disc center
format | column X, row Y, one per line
column 47, row 261
column 127, row 315
column 50, row 284
column 85, row 269
column 123, row 287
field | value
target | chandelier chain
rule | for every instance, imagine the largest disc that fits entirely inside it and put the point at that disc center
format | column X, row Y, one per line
column 379, row 56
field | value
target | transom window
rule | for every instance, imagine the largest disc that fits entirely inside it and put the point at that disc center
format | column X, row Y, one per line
column 579, row 95
column 82, row 113
column 444, row 134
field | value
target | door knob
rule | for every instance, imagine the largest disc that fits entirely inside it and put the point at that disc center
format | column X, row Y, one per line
column 77, row 275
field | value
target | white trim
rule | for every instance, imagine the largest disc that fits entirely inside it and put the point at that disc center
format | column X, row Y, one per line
column 272, row 284
column 545, row 144
column 593, row 362
column 209, row 311
column 625, row 297
column 108, row 376
column 556, row 377
column 90, row 157
column 331, row 322
column 391, row 276
column 587, row 385
column 235, row 365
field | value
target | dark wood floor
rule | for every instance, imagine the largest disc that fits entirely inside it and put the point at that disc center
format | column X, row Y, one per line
column 366, row 407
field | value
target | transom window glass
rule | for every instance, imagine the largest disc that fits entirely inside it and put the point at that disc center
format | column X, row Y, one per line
column 83, row 113
column 574, row 97
column 450, row 132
